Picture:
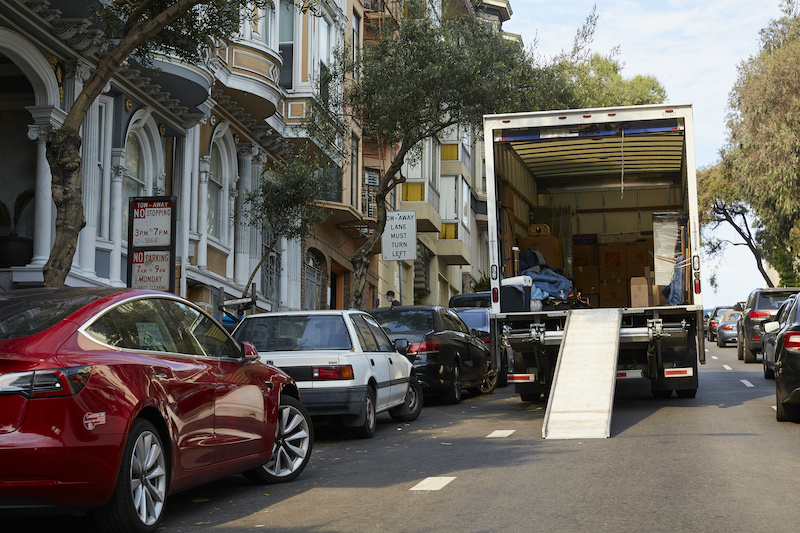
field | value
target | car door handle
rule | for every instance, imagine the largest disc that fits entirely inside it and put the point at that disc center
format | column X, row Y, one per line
column 372, row 361
column 390, row 361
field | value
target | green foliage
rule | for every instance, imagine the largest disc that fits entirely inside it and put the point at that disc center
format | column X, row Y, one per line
column 596, row 79
column 199, row 25
column 482, row 284
column 8, row 221
column 283, row 201
column 764, row 140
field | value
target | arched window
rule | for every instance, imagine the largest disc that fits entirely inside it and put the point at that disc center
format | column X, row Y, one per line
column 313, row 277
column 133, row 182
column 215, row 196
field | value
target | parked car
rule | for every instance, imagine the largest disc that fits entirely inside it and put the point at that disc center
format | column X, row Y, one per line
column 343, row 362
column 112, row 400
column 714, row 318
column 782, row 335
column 726, row 330
column 760, row 306
column 770, row 330
column 477, row 318
column 472, row 299
column 448, row 356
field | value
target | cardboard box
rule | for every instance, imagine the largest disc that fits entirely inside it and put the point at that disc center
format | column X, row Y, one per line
column 587, row 278
column 584, row 255
column 612, row 260
column 639, row 256
column 613, row 293
column 656, row 298
column 547, row 244
column 640, row 292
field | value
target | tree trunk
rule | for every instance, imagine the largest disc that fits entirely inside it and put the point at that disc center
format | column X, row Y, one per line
column 63, row 154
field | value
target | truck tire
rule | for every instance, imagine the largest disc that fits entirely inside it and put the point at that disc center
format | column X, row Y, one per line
column 686, row 393
column 749, row 355
column 661, row 394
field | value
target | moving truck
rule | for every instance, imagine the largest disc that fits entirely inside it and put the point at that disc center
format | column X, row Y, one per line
column 607, row 199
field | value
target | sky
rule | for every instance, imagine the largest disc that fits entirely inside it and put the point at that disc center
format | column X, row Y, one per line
column 693, row 48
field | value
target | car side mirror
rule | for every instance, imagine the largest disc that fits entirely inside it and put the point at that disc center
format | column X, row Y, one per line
column 771, row 327
column 401, row 345
column 250, row 352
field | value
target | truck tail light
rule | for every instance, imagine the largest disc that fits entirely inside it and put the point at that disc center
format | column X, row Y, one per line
column 332, row 372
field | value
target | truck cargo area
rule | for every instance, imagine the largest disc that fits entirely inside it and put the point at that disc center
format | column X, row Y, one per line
column 606, row 198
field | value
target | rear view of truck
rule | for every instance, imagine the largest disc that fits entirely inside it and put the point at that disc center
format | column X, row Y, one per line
column 606, row 199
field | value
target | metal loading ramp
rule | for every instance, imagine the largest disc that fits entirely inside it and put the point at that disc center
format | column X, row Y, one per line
column 582, row 394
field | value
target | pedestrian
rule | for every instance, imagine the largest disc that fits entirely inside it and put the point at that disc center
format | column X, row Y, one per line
column 391, row 298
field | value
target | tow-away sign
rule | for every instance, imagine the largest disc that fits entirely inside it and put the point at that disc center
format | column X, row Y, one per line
column 399, row 239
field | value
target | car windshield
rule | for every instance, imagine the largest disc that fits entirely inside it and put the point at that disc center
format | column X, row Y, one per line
column 28, row 312
column 295, row 332
column 731, row 316
column 721, row 311
column 475, row 319
column 773, row 300
column 394, row 321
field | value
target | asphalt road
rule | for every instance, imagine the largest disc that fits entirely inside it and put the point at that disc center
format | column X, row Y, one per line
column 716, row 463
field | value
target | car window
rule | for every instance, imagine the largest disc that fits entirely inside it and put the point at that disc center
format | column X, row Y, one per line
column 451, row 321
column 475, row 319
column 365, row 336
column 295, row 332
column 721, row 311
column 407, row 320
column 772, row 300
column 384, row 344
column 136, row 325
column 198, row 333
column 783, row 312
column 730, row 316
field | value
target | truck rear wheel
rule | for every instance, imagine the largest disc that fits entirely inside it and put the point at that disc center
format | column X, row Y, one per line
column 686, row 393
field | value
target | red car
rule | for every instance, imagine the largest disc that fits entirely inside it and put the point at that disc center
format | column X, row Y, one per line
column 114, row 399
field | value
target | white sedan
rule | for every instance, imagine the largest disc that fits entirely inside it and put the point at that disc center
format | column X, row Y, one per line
column 343, row 363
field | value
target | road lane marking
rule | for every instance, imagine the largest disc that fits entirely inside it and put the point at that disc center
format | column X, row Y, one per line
column 726, row 367
column 500, row 433
column 746, row 383
column 432, row 483
column 714, row 357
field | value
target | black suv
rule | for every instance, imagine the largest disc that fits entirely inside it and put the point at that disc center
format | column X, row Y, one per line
column 761, row 305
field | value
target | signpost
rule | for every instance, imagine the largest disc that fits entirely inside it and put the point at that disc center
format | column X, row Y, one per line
column 151, row 242
column 399, row 239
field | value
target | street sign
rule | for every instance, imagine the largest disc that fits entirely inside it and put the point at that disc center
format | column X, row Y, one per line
column 151, row 242
column 399, row 239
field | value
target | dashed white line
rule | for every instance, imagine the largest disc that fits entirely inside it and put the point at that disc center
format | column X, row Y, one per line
column 714, row 357
column 746, row 383
column 500, row 433
column 432, row 483
column 726, row 367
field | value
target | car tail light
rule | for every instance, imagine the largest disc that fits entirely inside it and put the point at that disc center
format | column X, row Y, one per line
column 713, row 323
column 425, row 347
column 759, row 314
column 46, row 383
column 332, row 372
column 727, row 328
column 792, row 340
column 756, row 337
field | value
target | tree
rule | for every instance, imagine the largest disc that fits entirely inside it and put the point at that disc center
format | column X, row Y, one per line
column 182, row 28
column 763, row 149
column 720, row 205
column 596, row 78
column 283, row 203
column 423, row 75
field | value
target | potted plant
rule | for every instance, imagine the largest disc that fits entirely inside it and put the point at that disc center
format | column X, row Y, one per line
column 15, row 250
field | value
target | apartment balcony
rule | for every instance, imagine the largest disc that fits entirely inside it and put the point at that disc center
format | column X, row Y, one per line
column 419, row 196
column 452, row 248
column 345, row 217
column 249, row 73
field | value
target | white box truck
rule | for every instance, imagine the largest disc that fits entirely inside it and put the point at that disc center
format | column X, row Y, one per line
column 607, row 199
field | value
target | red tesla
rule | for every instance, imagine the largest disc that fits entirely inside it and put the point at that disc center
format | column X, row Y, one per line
column 111, row 400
